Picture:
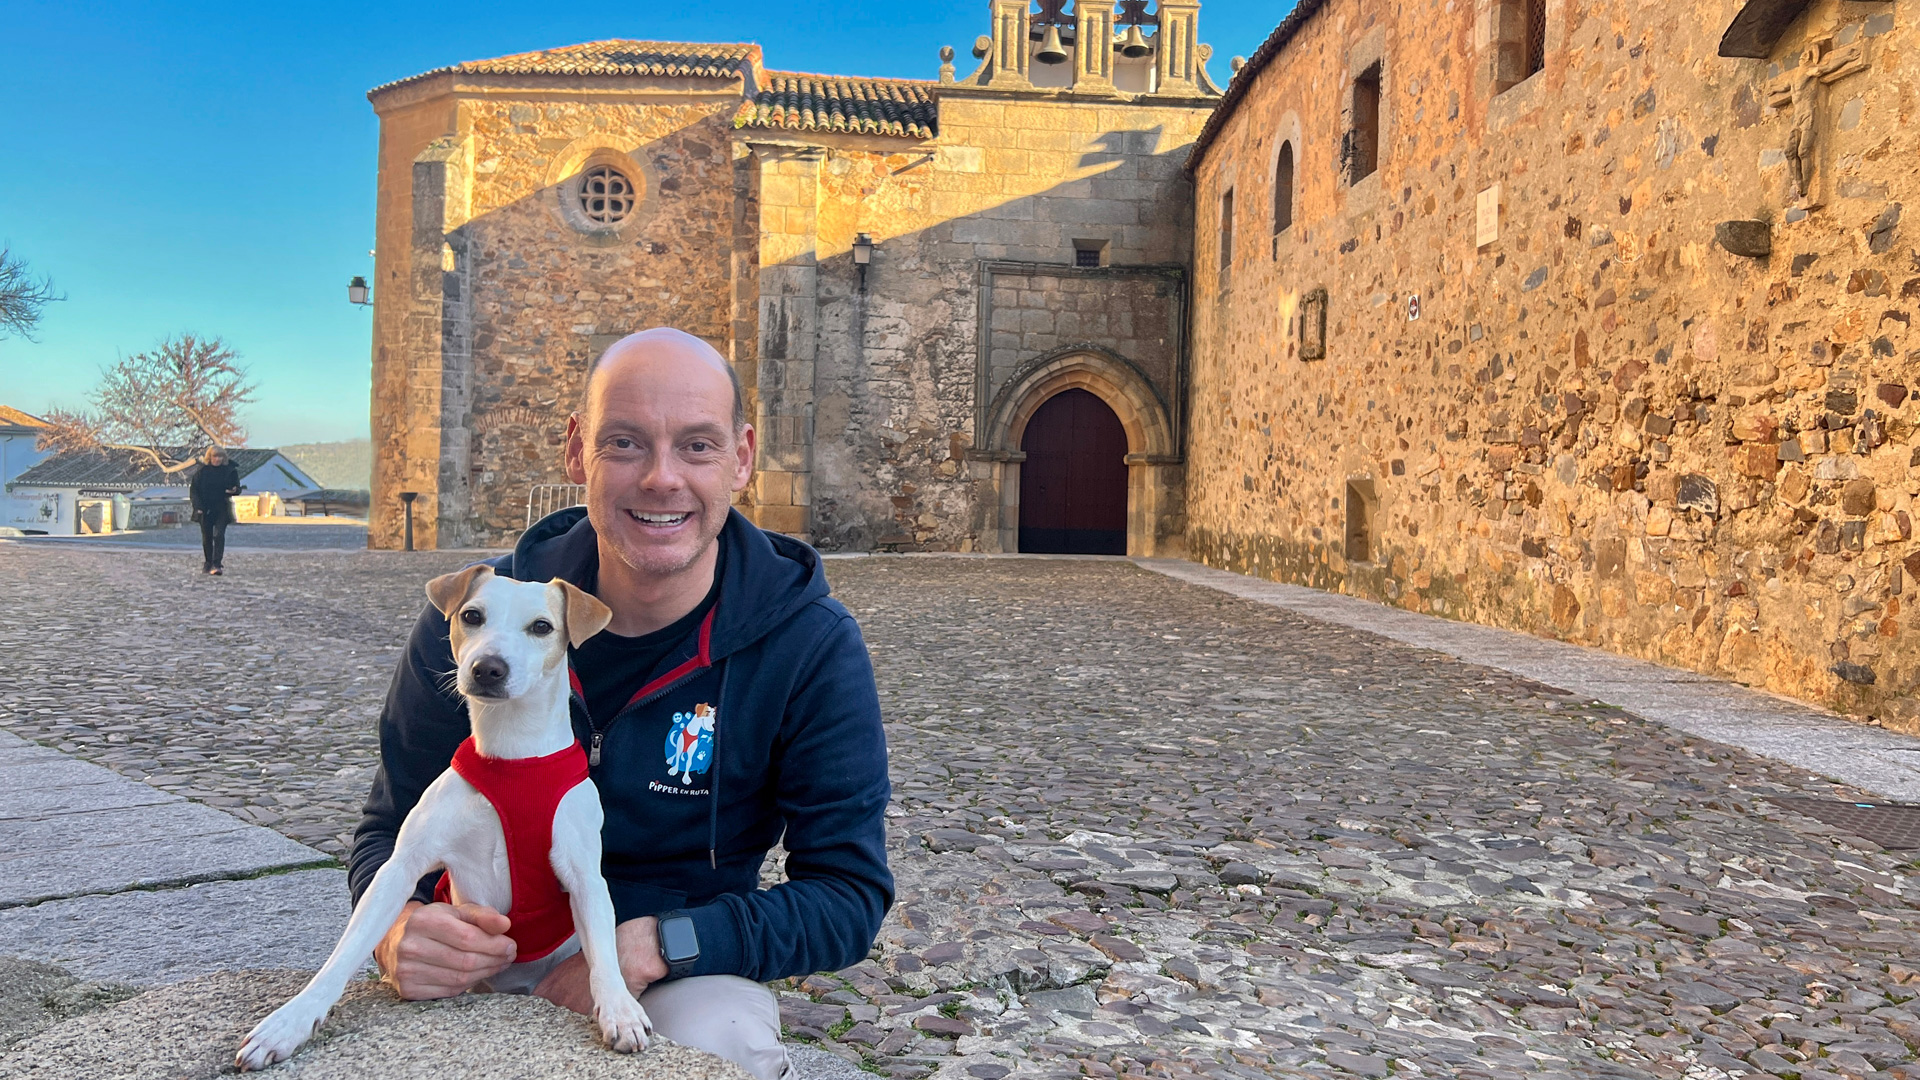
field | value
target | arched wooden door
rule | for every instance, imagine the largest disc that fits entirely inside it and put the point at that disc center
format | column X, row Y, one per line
column 1073, row 485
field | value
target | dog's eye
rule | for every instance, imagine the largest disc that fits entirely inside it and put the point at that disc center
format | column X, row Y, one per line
column 473, row 616
column 539, row 628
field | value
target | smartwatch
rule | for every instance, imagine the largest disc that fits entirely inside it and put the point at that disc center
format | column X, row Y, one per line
column 679, row 944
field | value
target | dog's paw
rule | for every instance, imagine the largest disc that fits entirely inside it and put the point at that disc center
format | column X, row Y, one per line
column 278, row 1036
column 623, row 1023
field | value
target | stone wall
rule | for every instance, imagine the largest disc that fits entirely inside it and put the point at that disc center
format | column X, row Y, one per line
column 982, row 222
column 512, row 292
column 1603, row 424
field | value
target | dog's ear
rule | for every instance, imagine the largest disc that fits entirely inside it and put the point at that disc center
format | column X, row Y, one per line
column 586, row 615
column 449, row 591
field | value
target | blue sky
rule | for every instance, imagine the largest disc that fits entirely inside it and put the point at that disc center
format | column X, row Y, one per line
column 209, row 167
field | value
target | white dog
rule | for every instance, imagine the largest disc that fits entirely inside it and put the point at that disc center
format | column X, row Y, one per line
column 510, row 640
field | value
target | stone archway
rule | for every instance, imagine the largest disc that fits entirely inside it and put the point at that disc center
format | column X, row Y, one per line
column 1155, row 475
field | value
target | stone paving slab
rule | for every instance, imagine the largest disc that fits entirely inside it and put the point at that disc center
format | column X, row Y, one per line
column 76, row 864
column 1866, row 757
column 55, row 773
column 69, row 828
column 28, row 802
column 148, row 937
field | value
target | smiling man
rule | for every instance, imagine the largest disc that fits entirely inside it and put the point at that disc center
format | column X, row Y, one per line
column 729, row 705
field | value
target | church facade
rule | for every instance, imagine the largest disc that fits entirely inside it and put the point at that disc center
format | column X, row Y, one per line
column 902, row 272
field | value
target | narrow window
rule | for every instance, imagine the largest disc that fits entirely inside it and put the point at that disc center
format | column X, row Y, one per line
column 1359, row 521
column 1363, row 141
column 1520, row 42
column 1283, row 191
column 1226, row 235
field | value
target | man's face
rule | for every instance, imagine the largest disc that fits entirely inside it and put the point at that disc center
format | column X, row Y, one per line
column 657, row 452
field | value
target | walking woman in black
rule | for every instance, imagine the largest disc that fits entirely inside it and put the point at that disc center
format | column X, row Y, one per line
column 212, row 493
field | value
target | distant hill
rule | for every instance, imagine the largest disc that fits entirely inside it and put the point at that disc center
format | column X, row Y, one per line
column 347, row 464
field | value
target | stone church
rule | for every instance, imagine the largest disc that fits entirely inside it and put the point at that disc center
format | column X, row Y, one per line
column 904, row 273
column 1587, row 319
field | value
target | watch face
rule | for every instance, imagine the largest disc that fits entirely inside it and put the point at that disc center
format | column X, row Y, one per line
column 678, row 941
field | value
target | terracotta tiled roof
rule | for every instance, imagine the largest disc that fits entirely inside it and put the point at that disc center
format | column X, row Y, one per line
column 126, row 470
column 12, row 417
column 616, row 57
column 836, row 103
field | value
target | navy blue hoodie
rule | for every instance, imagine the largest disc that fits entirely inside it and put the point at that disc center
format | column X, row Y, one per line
column 797, row 748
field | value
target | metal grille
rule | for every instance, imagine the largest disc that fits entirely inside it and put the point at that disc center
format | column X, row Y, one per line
column 1086, row 256
column 606, row 195
column 1890, row 825
column 544, row 499
column 1536, row 44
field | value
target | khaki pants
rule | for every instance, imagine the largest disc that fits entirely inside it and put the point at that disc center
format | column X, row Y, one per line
column 736, row 1018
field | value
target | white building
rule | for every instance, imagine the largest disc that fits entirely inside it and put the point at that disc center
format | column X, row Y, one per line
column 86, row 493
column 19, row 436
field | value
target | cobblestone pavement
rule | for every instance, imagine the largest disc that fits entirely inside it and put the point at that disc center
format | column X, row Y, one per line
column 297, row 534
column 255, row 692
column 1141, row 828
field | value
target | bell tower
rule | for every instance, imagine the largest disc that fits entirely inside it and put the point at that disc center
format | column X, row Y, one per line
column 1099, row 47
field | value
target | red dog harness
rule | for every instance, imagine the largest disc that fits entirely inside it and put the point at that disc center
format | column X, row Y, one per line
column 525, row 793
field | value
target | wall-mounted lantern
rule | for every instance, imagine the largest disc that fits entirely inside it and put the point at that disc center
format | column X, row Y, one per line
column 862, row 256
column 358, row 292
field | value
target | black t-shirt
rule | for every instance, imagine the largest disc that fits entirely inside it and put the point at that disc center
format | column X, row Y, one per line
column 612, row 667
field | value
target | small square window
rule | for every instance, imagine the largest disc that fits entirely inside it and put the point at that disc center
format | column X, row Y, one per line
column 1089, row 253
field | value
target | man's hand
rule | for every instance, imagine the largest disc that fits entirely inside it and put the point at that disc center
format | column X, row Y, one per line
column 440, row 950
column 638, row 943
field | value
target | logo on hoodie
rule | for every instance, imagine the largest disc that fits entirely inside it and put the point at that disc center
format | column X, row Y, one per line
column 690, row 742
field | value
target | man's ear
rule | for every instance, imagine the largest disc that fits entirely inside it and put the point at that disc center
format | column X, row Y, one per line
column 586, row 615
column 449, row 591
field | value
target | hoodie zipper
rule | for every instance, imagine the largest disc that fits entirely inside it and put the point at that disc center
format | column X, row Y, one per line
column 701, row 660
column 599, row 733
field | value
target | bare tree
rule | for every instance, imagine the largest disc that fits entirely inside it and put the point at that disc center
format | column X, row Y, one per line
column 22, row 296
column 165, row 405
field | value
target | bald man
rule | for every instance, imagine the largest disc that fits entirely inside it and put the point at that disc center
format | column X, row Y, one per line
column 729, row 705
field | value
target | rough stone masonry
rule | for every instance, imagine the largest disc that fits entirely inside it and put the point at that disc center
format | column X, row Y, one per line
column 1592, row 320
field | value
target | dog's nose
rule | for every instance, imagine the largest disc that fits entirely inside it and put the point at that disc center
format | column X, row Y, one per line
column 489, row 672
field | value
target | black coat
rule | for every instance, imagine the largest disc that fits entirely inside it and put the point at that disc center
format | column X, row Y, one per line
column 210, row 490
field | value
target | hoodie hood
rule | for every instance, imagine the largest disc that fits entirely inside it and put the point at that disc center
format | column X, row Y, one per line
column 765, row 579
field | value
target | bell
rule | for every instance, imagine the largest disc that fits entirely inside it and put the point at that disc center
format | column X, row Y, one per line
column 1133, row 44
column 1051, row 51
